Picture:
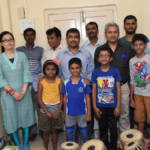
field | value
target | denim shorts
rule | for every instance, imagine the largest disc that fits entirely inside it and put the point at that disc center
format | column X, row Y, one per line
column 72, row 120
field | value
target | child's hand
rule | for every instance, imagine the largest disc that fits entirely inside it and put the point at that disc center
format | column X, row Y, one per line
column 56, row 115
column 132, row 103
column 87, row 81
column 117, row 112
column 88, row 117
column 97, row 112
column 49, row 115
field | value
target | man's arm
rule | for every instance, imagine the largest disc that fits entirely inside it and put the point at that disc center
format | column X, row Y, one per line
column 132, row 103
column 96, row 64
column 117, row 109
column 90, row 66
column 88, row 117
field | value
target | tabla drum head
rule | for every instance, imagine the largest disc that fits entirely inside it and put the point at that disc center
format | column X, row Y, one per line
column 134, row 146
column 131, row 135
column 93, row 144
column 69, row 146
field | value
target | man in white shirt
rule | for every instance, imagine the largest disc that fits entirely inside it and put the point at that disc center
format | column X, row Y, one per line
column 54, row 39
column 93, row 41
column 90, row 45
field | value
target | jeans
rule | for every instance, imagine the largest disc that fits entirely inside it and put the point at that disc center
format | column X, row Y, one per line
column 71, row 122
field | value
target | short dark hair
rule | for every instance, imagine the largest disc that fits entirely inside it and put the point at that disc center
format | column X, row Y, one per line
column 50, row 62
column 92, row 23
column 75, row 60
column 139, row 37
column 130, row 17
column 54, row 30
column 29, row 30
column 72, row 30
column 105, row 48
column 98, row 50
column 1, row 36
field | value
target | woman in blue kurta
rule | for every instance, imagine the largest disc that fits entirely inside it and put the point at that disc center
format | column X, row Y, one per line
column 16, row 103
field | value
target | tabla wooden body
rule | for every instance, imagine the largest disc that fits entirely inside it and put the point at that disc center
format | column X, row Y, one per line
column 132, row 139
column 93, row 144
column 69, row 146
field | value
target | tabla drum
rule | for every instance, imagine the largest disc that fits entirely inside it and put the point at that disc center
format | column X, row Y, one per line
column 93, row 144
column 132, row 139
column 135, row 146
column 69, row 146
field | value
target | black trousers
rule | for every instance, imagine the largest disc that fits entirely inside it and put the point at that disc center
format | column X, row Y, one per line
column 90, row 124
column 108, row 123
column 34, row 128
column 131, row 114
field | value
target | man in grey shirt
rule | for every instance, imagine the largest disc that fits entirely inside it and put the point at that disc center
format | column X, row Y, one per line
column 34, row 54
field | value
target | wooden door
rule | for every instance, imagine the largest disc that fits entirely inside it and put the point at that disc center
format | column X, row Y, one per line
column 78, row 18
column 63, row 19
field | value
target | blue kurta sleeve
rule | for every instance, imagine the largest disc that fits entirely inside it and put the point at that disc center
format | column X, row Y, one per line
column 27, row 74
column 3, row 82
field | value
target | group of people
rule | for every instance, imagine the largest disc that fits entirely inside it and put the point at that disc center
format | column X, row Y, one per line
column 70, row 87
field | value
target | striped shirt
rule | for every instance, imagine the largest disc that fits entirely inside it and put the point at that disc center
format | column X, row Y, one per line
column 35, row 58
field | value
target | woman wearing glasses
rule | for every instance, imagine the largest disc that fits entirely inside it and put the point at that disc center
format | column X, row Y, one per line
column 16, row 103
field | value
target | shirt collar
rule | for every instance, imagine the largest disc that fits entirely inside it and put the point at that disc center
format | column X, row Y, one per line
column 78, row 81
column 33, row 46
column 99, row 42
column 59, row 47
column 68, row 51
column 119, row 44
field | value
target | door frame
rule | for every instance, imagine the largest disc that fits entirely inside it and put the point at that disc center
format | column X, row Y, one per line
column 55, row 11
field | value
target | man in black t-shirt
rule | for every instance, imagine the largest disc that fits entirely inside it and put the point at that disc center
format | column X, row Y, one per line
column 121, row 56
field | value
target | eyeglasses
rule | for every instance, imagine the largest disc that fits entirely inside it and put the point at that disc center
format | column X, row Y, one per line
column 7, row 40
column 105, row 56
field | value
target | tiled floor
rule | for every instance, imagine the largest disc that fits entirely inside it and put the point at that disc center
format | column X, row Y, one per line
column 39, row 143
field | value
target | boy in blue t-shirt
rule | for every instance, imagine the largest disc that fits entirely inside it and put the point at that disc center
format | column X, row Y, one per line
column 76, row 102
column 106, row 95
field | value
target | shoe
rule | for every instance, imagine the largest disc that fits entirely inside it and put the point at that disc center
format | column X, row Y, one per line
column 26, row 147
column 20, row 148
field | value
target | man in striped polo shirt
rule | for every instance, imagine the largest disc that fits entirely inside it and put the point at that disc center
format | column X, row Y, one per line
column 34, row 54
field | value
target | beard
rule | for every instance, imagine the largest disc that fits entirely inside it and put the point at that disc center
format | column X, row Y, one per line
column 130, row 32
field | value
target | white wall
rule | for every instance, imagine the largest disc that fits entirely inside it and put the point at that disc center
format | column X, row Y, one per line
column 35, row 10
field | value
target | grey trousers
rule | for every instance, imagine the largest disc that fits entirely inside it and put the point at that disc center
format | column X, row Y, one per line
column 124, row 123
